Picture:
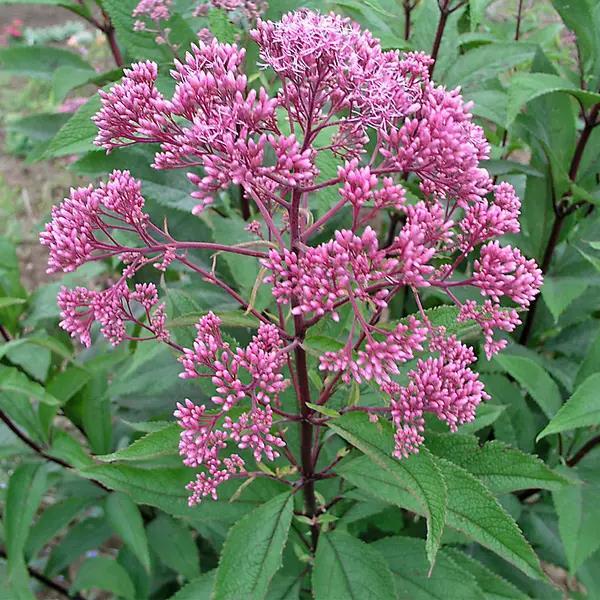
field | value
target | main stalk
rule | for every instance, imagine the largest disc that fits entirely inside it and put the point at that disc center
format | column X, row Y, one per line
column 306, row 428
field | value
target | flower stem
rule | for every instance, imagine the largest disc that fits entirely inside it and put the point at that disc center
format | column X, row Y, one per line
column 439, row 33
column 38, row 449
column 306, row 427
column 109, row 32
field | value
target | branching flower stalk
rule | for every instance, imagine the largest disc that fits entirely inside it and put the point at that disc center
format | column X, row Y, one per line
column 379, row 115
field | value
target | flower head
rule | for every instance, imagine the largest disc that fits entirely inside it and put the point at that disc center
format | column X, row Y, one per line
column 392, row 145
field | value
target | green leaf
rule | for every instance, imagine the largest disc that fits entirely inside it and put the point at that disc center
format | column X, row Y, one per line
column 323, row 410
column 578, row 510
column 23, row 496
column 486, row 62
column 246, row 270
column 591, row 362
column 160, row 487
column 477, row 12
column 88, row 534
column 147, row 426
column 285, row 587
column 77, row 134
column 580, row 410
column 559, row 292
column 416, row 580
column 509, row 167
column 67, row 383
column 33, row 360
column 163, row 442
column 525, row 87
column 14, row 381
column 139, row 44
column 67, row 78
column 201, row 587
column 38, row 61
column 95, row 415
column 472, row 509
column 491, row 584
column 7, row 301
column 416, row 474
column 533, row 378
column 490, row 105
column 252, row 551
column 319, row 344
column 487, row 414
column 221, row 27
column 347, row 568
column 41, row 341
column 103, row 573
column 168, row 196
column 499, row 467
column 577, row 16
column 173, row 543
column 516, row 425
column 444, row 316
column 52, row 521
column 126, row 520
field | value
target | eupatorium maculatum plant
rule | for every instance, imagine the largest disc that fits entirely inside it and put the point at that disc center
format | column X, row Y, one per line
column 401, row 145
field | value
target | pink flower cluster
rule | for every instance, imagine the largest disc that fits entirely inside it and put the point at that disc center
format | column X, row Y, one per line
column 112, row 308
column 260, row 365
column 80, row 225
column 152, row 15
column 347, row 66
column 389, row 128
column 344, row 267
column 84, row 228
column 444, row 386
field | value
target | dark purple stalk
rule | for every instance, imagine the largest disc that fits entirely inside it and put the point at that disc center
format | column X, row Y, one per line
column 439, row 33
column 306, row 427
column 445, row 12
column 109, row 32
column 408, row 6
column 38, row 449
column 107, row 28
column 244, row 204
column 519, row 17
column 584, row 451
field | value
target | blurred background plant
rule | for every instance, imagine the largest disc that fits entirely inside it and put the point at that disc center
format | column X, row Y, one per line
column 75, row 524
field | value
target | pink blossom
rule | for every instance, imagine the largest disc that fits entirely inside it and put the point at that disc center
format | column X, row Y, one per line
column 343, row 267
column 253, row 430
column 380, row 358
column 444, row 386
column 132, row 110
column 156, row 10
column 443, row 147
column 262, row 360
column 489, row 317
column 341, row 100
column 112, row 309
column 70, row 235
column 484, row 220
column 504, row 271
